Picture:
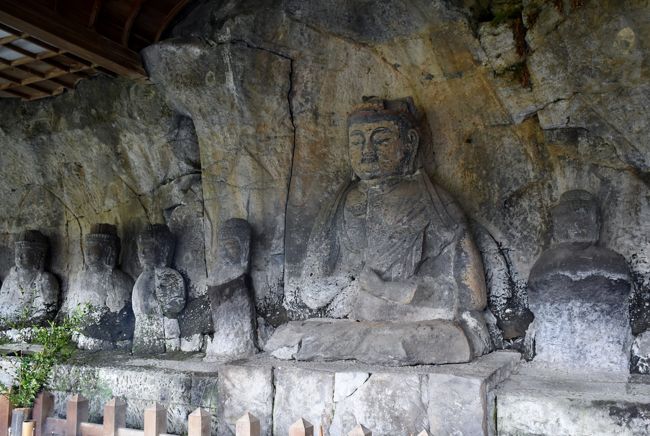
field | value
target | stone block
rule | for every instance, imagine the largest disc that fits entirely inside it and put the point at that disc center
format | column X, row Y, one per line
column 383, row 343
column 543, row 402
column 302, row 393
column 244, row 389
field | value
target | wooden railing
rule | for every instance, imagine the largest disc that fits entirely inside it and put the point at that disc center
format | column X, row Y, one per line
column 155, row 421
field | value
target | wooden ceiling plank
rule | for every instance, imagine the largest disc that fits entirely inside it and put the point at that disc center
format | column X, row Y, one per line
column 38, row 76
column 39, row 22
column 10, row 38
column 136, row 5
column 20, row 61
column 18, row 94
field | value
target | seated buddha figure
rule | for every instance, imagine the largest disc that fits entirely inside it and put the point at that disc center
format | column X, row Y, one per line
column 29, row 294
column 579, row 291
column 104, row 291
column 158, row 294
column 393, row 256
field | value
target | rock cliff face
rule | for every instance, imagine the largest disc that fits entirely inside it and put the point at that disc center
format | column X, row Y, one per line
column 246, row 118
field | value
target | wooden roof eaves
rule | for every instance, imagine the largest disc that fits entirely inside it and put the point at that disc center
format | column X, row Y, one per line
column 37, row 21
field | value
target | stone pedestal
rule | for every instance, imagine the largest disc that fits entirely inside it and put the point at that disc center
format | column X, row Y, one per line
column 445, row 400
column 548, row 402
column 384, row 343
column 582, row 329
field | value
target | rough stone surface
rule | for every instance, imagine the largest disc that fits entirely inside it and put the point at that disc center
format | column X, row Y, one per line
column 640, row 360
column 102, row 291
column 581, row 404
column 159, row 294
column 393, row 401
column 372, row 342
column 246, row 119
column 304, row 394
column 231, row 301
column 579, row 292
column 245, row 389
column 29, row 295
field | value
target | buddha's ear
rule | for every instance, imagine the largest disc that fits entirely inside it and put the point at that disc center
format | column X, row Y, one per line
column 413, row 138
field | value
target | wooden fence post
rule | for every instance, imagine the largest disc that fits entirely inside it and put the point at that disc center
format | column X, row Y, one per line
column 43, row 407
column 155, row 420
column 360, row 430
column 114, row 417
column 5, row 415
column 77, row 412
column 247, row 425
column 198, row 423
column 302, row 427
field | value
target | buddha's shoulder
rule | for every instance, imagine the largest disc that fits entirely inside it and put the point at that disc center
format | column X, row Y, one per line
column 122, row 278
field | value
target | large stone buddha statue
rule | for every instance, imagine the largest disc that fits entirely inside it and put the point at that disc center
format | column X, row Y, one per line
column 393, row 255
column 105, row 290
column 158, row 294
column 579, row 291
column 29, row 294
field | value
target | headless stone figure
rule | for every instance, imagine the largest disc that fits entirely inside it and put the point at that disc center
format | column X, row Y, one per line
column 231, row 302
column 394, row 251
column 105, row 290
column 158, row 294
column 29, row 294
column 579, row 293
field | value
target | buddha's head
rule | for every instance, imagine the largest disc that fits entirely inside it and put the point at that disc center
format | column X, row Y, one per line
column 576, row 218
column 383, row 138
column 155, row 246
column 31, row 249
column 102, row 246
column 234, row 249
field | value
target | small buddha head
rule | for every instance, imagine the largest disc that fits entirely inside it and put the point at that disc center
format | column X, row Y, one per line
column 234, row 248
column 383, row 138
column 576, row 218
column 102, row 246
column 31, row 249
column 156, row 246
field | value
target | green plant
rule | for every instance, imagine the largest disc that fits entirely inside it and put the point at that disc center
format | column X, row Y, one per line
column 33, row 368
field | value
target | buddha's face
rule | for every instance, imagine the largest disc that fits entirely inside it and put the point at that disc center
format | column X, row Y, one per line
column 576, row 221
column 231, row 251
column 378, row 149
column 98, row 253
column 28, row 257
column 148, row 253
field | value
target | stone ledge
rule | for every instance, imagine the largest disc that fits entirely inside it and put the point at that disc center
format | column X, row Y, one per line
column 445, row 399
column 542, row 401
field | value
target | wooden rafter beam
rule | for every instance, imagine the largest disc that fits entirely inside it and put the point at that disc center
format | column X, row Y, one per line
column 94, row 12
column 43, row 24
column 136, row 5
column 12, row 83
column 37, row 76
column 169, row 17
column 4, row 63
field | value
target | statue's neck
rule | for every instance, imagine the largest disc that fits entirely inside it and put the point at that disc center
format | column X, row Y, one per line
column 99, row 269
column 27, row 274
column 387, row 182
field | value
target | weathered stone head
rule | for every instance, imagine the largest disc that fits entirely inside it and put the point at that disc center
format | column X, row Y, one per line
column 234, row 249
column 31, row 249
column 102, row 246
column 156, row 246
column 576, row 218
column 383, row 138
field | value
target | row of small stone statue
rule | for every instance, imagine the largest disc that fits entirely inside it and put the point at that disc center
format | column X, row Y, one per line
column 120, row 313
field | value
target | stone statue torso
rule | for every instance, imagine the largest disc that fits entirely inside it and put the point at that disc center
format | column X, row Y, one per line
column 35, row 295
column 159, row 291
column 104, row 290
